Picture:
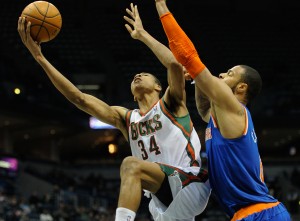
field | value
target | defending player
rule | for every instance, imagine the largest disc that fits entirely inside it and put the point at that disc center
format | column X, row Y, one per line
column 159, row 131
column 234, row 164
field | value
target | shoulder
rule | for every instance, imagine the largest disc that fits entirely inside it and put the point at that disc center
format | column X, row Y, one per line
column 121, row 111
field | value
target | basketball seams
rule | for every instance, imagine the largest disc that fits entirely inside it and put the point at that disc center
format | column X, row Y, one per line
column 32, row 16
column 46, row 31
column 37, row 8
column 45, row 15
column 42, row 21
column 52, row 16
column 45, row 20
column 39, row 19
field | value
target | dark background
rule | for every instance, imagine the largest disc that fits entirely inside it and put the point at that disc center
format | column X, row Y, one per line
column 93, row 47
column 60, row 154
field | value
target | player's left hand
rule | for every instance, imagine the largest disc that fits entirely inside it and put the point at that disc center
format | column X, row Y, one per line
column 24, row 32
column 135, row 21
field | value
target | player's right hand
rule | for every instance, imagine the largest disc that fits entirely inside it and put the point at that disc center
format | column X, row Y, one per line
column 135, row 21
column 24, row 32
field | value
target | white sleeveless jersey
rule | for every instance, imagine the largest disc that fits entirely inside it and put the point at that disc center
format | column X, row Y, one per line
column 158, row 136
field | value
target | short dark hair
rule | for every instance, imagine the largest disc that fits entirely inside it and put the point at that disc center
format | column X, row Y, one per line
column 158, row 82
column 252, row 78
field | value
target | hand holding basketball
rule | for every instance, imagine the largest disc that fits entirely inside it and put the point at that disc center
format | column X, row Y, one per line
column 46, row 20
column 24, row 32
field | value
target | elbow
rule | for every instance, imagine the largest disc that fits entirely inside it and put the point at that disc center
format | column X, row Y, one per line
column 175, row 65
column 176, row 69
column 78, row 98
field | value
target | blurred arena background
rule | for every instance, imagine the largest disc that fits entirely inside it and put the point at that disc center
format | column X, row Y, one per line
column 60, row 168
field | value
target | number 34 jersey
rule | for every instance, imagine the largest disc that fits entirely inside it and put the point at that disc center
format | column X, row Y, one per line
column 159, row 136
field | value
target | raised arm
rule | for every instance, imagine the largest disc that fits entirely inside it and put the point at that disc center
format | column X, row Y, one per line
column 185, row 52
column 227, row 108
column 112, row 115
column 175, row 95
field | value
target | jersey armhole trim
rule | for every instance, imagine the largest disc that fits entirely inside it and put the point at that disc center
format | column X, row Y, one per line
column 246, row 122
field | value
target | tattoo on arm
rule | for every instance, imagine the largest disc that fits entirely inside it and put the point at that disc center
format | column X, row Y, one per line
column 202, row 102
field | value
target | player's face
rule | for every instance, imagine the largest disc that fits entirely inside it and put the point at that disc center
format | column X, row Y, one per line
column 141, row 82
column 232, row 77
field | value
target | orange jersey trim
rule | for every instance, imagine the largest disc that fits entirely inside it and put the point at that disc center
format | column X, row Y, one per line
column 127, row 118
column 249, row 210
column 246, row 126
column 214, row 121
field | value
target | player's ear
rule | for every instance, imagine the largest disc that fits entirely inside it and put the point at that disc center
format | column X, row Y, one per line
column 157, row 88
column 242, row 87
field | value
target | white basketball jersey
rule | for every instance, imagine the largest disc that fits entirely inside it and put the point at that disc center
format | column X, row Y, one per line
column 159, row 136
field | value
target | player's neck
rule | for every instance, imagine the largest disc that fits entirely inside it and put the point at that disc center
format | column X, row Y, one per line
column 241, row 99
column 147, row 102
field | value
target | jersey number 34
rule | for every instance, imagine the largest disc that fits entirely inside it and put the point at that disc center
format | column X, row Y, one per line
column 153, row 148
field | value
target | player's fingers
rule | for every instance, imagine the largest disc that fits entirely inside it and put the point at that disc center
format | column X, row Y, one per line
column 20, row 29
column 129, row 12
column 19, row 25
column 28, row 26
column 132, row 8
column 28, row 30
column 19, row 22
column 129, row 29
column 136, row 11
column 129, row 20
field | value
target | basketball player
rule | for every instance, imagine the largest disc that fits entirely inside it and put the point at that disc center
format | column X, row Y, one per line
column 234, row 164
column 164, row 144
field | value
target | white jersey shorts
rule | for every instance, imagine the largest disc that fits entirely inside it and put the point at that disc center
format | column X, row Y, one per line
column 190, row 196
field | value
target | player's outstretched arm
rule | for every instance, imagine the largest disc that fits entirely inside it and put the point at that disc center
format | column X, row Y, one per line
column 184, row 51
column 175, row 94
column 112, row 115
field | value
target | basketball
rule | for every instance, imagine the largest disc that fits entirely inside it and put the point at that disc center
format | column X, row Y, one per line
column 45, row 18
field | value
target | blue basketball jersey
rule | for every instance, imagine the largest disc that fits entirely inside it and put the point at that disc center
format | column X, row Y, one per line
column 235, row 168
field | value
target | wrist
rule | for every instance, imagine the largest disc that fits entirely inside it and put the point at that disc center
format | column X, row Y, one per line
column 40, row 59
column 160, row 2
column 143, row 34
column 161, row 7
